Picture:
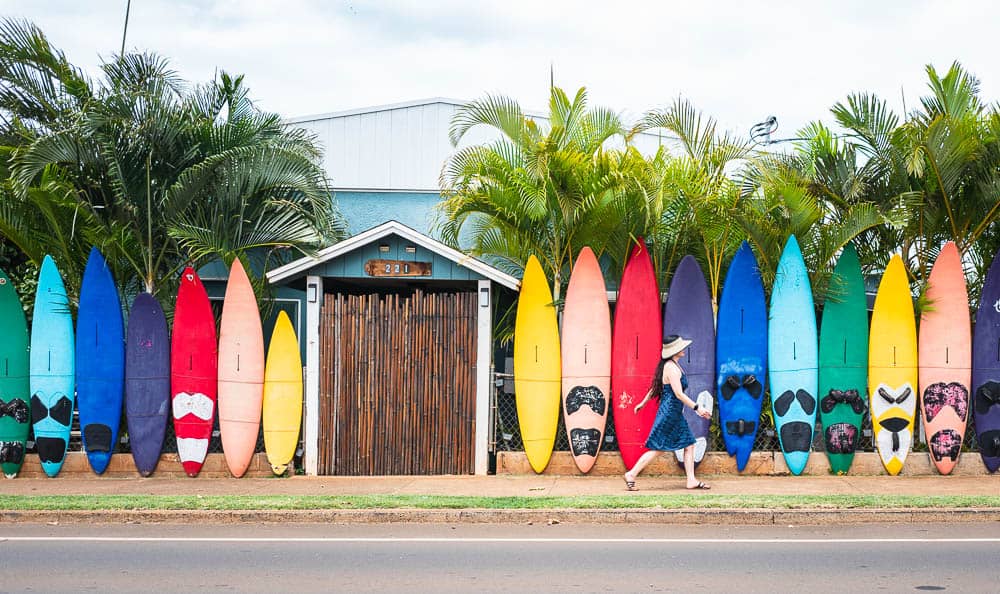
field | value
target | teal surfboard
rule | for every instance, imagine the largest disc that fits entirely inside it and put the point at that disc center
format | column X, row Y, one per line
column 51, row 368
column 843, row 361
column 793, row 355
column 14, row 395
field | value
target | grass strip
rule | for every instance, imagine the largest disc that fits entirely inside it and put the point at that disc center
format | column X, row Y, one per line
column 319, row 502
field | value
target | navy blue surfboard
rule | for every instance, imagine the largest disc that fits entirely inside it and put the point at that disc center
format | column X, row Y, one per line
column 688, row 313
column 741, row 355
column 147, row 381
column 100, row 362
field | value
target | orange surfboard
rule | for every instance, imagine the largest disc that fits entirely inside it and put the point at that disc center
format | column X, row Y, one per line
column 241, row 371
column 586, row 359
column 945, row 347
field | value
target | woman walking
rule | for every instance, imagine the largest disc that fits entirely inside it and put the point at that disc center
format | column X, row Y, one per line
column 670, row 431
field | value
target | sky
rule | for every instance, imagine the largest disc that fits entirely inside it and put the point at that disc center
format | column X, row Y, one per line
column 739, row 62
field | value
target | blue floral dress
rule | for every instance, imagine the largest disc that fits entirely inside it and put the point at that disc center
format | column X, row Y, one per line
column 670, row 429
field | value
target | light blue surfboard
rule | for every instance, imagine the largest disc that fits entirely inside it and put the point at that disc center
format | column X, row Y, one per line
column 793, row 356
column 100, row 362
column 51, row 368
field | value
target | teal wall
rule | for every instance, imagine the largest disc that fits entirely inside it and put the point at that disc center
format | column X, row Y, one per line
column 364, row 210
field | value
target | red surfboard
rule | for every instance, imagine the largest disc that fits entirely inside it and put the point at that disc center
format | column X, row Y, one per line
column 635, row 351
column 193, row 372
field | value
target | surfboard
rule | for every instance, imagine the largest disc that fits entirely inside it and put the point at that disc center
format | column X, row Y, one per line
column 688, row 313
column 944, row 350
column 193, row 371
column 586, row 359
column 536, row 366
column 147, row 381
column 282, row 408
column 843, row 361
column 741, row 355
column 793, row 357
column 636, row 342
column 100, row 362
column 15, row 408
column 986, row 369
column 241, row 371
column 51, row 368
column 892, row 367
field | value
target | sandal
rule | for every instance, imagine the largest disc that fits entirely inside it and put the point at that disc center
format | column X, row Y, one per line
column 700, row 485
column 630, row 485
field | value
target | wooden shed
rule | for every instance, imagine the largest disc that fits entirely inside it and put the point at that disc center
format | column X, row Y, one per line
column 398, row 336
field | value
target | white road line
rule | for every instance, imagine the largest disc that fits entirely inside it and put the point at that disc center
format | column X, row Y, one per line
column 347, row 539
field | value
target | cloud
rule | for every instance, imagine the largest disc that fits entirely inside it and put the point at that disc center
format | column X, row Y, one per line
column 739, row 62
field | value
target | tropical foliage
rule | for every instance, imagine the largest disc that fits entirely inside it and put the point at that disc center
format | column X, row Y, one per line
column 890, row 183
column 154, row 172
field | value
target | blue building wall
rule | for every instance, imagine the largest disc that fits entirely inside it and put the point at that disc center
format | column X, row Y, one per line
column 364, row 210
column 352, row 265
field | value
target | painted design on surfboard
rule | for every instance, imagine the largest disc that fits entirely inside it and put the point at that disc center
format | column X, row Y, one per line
column 741, row 355
column 15, row 392
column 793, row 357
column 843, row 361
column 51, row 368
column 946, row 443
column 893, row 411
column 688, row 312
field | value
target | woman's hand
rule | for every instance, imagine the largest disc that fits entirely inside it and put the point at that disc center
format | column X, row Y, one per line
column 704, row 414
column 639, row 406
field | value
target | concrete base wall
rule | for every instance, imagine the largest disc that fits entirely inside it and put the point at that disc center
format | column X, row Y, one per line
column 122, row 466
column 760, row 464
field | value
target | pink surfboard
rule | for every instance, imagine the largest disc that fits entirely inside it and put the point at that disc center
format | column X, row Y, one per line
column 193, row 372
column 586, row 359
column 635, row 351
column 945, row 360
column 241, row 371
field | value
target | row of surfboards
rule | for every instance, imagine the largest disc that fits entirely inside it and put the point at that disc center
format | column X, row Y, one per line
column 153, row 373
column 837, row 375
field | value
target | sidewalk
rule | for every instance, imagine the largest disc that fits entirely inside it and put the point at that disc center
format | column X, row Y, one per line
column 520, row 486
column 506, row 485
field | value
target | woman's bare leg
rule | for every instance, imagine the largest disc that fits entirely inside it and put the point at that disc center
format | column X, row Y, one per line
column 692, row 480
column 641, row 463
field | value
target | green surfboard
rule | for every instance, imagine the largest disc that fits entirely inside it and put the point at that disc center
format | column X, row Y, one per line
column 15, row 414
column 843, row 361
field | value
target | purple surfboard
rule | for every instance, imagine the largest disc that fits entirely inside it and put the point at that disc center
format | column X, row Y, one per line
column 147, row 381
column 986, row 369
column 689, row 313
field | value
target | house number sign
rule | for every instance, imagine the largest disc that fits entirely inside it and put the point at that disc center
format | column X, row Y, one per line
column 397, row 268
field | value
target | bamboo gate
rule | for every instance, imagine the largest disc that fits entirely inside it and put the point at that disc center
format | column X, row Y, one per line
column 397, row 384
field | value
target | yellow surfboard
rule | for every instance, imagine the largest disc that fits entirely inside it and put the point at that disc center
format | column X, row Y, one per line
column 537, row 375
column 892, row 367
column 282, row 395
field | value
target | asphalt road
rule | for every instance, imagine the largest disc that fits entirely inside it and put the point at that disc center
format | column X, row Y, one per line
column 489, row 558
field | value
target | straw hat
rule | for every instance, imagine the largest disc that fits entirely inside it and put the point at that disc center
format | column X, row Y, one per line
column 672, row 345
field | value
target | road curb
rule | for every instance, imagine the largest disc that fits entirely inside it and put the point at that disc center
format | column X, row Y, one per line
column 722, row 517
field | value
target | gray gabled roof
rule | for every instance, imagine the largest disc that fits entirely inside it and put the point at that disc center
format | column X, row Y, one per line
column 301, row 266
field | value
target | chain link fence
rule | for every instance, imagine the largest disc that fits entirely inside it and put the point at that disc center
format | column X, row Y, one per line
column 508, row 434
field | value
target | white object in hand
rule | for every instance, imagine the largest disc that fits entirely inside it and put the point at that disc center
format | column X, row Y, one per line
column 705, row 401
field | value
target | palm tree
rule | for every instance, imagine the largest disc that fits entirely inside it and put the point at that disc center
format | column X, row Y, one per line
column 155, row 174
column 543, row 188
column 693, row 194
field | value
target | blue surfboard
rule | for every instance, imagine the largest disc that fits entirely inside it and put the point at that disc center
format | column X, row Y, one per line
column 741, row 355
column 51, row 368
column 147, row 381
column 793, row 357
column 100, row 361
